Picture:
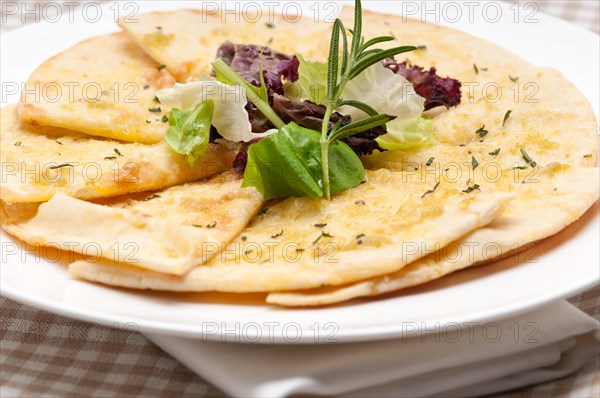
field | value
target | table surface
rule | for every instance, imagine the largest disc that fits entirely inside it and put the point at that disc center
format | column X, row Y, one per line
column 42, row 354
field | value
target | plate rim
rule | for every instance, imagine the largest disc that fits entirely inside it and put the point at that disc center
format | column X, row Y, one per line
column 355, row 335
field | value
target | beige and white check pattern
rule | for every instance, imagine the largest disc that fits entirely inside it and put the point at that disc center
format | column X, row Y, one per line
column 43, row 354
column 584, row 13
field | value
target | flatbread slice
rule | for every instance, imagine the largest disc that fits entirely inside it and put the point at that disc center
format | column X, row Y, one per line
column 550, row 120
column 40, row 162
column 479, row 64
column 559, row 197
column 186, row 41
column 373, row 229
column 103, row 86
column 545, row 114
column 169, row 231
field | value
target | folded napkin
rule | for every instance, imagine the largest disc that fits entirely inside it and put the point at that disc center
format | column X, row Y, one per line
column 484, row 358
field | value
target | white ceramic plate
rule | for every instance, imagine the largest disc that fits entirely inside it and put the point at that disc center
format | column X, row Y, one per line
column 555, row 268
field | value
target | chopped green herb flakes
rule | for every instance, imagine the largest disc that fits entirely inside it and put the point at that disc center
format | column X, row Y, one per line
column 506, row 116
column 323, row 235
column 155, row 196
column 60, row 166
column 431, row 190
column 527, row 158
column 482, row 132
column 475, row 187
column 277, row 235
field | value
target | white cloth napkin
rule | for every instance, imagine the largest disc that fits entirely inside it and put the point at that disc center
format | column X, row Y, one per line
column 546, row 344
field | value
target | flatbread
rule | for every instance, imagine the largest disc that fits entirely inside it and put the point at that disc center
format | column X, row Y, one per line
column 40, row 162
column 549, row 120
column 556, row 124
column 186, row 41
column 103, row 86
column 364, row 241
column 169, row 231
column 452, row 52
column 547, row 127
column 542, row 209
column 373, row 229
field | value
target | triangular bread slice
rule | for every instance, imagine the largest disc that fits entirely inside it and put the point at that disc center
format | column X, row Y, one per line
column 168, row 231
column 373, row 229
column 103, row 86
column 40, row 162
column 542, row 209
column 186, row 41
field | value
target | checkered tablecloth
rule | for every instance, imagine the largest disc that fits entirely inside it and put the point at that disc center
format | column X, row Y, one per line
column 43, row 354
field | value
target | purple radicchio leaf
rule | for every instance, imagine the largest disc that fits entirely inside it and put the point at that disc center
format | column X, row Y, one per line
column 245, row 60
column 310, row 115
column 436, row 90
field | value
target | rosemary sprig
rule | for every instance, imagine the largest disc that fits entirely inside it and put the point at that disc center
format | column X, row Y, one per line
column 356, row 57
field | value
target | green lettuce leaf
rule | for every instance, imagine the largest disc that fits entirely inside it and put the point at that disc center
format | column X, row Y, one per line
column 189, row 131
column 384, row 91
column 312, row 82
column 288, row 163
column 230, row 117
column 407, row 134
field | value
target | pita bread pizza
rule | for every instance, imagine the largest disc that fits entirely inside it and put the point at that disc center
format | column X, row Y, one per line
column 312, row 162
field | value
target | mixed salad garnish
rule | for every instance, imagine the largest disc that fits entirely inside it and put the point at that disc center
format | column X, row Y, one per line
column 303, row 125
